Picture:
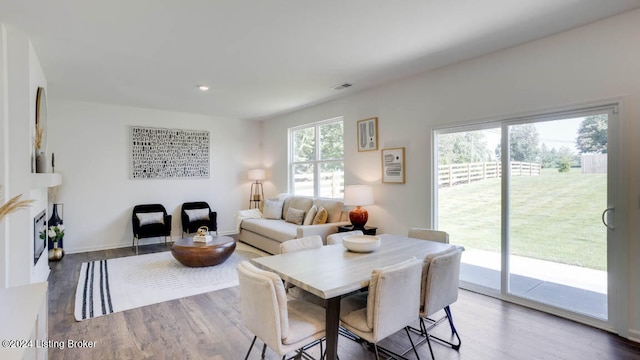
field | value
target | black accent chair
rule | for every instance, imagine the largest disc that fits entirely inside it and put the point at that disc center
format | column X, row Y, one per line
column 151, row 226
column 192, row 226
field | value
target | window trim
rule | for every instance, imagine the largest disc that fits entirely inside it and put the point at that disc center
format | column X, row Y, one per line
column 317, row 161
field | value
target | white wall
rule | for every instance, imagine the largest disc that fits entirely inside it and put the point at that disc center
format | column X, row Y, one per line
column 20, row 76
column 91, row 146
column 591, row 63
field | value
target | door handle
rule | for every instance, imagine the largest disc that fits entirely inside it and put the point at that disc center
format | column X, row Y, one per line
column 604, row 221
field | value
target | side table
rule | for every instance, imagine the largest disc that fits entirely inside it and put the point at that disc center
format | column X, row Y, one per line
column 367, row 230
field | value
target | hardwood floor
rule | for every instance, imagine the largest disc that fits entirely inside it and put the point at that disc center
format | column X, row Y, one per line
column 208, row 326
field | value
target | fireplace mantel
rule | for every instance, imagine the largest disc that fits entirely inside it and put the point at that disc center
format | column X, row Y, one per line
column 45, row 180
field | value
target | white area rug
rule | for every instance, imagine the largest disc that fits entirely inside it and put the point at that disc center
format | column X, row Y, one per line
column 113, row 285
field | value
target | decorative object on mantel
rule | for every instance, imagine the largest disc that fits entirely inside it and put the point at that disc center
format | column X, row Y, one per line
column 256, row 193
column 358, row 196
column 56, row 248
column 393, row 168
column 158, row 153
column 368, row 134
column 53, row 162
column 39, row 139
column 13, row 205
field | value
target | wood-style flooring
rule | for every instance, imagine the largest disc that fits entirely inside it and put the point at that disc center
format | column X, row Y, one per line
column 208, row 326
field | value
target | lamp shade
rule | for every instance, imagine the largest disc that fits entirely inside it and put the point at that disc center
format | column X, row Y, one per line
column 358, row 195
column 256, row 174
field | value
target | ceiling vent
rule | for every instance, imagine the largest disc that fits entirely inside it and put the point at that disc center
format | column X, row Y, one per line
column 343, row 86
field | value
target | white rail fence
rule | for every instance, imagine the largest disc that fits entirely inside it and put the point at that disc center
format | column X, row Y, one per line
column 331, row 184
column 456, row 174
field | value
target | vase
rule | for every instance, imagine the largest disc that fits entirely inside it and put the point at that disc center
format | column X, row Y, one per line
column 53, row 221
column 56, row 253
column 41, row 162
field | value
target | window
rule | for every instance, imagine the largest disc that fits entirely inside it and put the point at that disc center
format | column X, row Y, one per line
column 316, row 159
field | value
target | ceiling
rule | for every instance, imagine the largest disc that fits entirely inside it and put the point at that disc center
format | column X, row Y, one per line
column 264, row 58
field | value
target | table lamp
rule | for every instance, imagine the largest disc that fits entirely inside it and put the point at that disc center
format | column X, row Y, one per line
column 257, row 194
column 358, row 196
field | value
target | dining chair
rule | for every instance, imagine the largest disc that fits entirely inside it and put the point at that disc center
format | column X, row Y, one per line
column 282, row 325
column 429, row 234
column 336, row 238
column 305, row 243
column 439, row 289
column 390, row 305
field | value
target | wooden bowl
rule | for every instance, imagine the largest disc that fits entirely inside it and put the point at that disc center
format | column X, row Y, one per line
column 361, row 243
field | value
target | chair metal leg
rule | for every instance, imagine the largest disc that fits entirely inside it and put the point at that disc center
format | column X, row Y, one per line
column 264, row 350
column 137, row 243
column 413, row 346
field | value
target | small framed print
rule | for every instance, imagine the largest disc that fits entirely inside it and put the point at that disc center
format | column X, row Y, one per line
column 393, row 167
column 368, row 134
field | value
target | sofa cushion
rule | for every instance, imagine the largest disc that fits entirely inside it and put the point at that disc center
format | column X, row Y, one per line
column 321, row 216
column 333, row 207
column 311, row 214
column 272, row 209
column 294, row 216
column 278, row 230
column 297, row 202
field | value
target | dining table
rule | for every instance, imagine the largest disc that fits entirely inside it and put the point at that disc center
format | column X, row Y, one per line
column 332, row 271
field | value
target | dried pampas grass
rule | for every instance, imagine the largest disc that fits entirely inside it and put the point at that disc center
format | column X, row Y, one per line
column 12, row 205
column 37, row 139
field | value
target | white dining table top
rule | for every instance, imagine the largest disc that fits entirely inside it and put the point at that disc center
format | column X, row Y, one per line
column 332, row 270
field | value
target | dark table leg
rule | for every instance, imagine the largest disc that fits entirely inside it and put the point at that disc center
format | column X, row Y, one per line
column 333, row 322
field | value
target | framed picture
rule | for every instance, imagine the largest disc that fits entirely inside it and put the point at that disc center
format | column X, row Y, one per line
column 368, row 134
column 393, row 167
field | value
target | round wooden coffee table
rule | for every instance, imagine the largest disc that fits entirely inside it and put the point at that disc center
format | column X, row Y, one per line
column 201, row 254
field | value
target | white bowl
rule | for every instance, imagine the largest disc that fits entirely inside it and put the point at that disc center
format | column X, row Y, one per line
column 361, row 243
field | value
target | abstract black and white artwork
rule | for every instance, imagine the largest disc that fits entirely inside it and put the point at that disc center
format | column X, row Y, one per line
column 158, row 153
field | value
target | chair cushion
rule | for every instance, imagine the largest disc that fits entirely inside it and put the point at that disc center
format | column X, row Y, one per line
column 197, row 214
column 305, row 320
column 294, row 216
column 272, row 209
column 150, row 218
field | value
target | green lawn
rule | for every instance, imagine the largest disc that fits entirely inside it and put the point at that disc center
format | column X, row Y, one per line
column 555, row 216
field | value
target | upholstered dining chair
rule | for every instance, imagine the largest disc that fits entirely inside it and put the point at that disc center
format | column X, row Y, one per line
column 429, row 234
column 150, row 220
column 282, row 325
column 197, row 214
column 305, row 243
column 336, row 238
column 390, row 305
column 439, row 289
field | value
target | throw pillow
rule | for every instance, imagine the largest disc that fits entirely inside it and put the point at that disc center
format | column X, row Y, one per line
column 294, row 216
column 272, row 209
column 321, row 216
column 197, row 214
column 311, row 214
column 150, row 218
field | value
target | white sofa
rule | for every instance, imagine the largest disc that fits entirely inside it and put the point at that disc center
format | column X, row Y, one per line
column 268, row 234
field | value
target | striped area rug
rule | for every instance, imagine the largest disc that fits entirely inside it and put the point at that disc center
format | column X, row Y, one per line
column 114, row 285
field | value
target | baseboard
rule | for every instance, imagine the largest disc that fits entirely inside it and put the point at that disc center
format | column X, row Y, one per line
column 77, row 250
column 634, row 335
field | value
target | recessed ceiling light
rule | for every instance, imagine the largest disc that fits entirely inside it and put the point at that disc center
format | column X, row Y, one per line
column 203, row 87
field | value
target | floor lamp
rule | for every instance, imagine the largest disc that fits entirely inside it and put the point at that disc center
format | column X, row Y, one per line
column 257, row 194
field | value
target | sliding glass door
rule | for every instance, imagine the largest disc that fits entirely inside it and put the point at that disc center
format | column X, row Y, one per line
column 527, row 198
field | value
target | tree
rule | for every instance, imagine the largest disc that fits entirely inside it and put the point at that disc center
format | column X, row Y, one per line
column 463, row 147
column 524, row 143
column 592, row 135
